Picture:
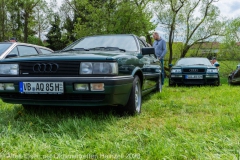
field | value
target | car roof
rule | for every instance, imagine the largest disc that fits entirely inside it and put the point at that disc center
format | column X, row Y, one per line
column 26, row 44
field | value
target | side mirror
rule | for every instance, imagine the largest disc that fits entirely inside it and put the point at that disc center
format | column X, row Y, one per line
column 216, row 65
column 11, row 55
column 148, row 51
column 170, row 65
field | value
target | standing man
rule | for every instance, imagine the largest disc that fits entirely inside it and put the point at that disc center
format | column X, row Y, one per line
column 13, row 39
column 215, row 62
column 160, row 50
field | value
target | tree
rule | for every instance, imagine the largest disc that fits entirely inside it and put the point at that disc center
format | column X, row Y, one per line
column 92, row 17
column 169, row 19
column 189, row 21
column 28, row 18
column 43, row 15
column 4, row 30
column 231, row 42
column 54, row 36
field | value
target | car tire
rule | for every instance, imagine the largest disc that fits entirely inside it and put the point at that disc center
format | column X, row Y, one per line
column 28, row 107
column 229, row 81
column 171, row 84
column 159, row 84
column 135, row 99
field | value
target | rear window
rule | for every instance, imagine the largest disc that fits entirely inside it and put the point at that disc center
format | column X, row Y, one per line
column 45, row 51
column 26, row 51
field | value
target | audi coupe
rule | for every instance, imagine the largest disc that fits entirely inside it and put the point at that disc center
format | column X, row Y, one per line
column 194, row 71
column 104, row 70
column 16, row 49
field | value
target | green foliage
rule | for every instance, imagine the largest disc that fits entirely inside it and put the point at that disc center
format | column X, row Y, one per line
column 226, row 67
column 35, row 40
column 113, row 17
column 230, row 47
column 55, row 35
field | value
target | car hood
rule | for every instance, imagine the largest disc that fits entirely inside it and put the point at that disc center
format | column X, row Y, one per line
column 195, row 66
column 76, row 56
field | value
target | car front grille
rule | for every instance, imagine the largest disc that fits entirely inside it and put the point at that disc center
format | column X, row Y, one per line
column 49, row 68
column 52, row 97
column 193, row 70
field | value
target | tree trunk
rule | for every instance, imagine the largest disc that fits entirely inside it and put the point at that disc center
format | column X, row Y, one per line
column 25, row 31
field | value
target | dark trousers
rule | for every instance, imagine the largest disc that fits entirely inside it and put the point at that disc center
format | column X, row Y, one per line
column 162, row 67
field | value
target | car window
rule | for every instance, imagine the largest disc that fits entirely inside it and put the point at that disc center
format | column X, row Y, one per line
column 142, row 45
column 14, row 51
column 193, row 61
column 27, row 50
column 45, row 51
column 4, row 47
column 126, row 42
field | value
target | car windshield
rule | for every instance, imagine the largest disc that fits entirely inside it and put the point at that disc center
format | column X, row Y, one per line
column 193, row 61
column 114, row 42
column 4, row 47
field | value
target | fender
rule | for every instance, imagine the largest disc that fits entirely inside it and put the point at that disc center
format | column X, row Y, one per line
column 138, row 71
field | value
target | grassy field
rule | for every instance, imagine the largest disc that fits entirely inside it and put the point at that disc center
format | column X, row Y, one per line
column 179, row 123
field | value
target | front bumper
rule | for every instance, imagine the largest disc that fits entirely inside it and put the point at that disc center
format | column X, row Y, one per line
column 207, row 79
column 116, row 92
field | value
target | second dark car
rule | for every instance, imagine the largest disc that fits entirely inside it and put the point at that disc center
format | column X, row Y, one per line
column 194, row 71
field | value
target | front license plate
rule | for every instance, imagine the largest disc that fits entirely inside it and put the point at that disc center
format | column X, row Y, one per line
column 41, row 87
column 193, row 76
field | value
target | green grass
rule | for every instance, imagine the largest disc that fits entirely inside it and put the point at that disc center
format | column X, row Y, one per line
column 179, row 123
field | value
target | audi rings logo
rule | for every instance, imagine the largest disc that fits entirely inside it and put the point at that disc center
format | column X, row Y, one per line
column 45, row 67
column 193, row 70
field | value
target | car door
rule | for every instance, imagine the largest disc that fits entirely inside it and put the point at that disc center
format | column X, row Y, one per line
column 150, row 68
column 45, row 51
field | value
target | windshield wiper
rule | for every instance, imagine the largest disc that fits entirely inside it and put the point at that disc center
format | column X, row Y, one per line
column 114, row 48
column 198, row 64
column 97, row 48
column 75, row 49
column 107, row 49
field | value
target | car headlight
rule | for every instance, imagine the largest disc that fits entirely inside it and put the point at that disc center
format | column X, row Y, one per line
column 98, row 68
column 176, row 71
column 212, row 70
column 10, row 69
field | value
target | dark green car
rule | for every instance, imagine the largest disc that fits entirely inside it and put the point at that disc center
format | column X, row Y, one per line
column 194, row 71
column 105, row 70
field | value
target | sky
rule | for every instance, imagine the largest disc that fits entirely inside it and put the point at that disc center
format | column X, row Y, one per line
column 229, row 8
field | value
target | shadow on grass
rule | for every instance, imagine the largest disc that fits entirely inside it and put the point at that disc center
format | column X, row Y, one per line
column 71, row 121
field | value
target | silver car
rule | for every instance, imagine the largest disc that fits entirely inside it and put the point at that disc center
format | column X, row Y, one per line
column 16, row 49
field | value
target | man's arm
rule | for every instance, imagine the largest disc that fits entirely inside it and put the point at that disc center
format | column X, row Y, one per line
column 164, row 49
